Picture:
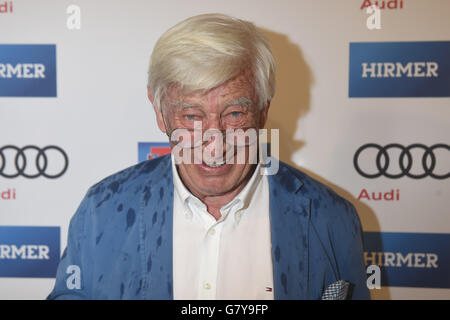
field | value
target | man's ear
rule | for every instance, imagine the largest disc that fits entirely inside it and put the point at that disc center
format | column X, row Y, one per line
column 263, row 116
column 158, row 112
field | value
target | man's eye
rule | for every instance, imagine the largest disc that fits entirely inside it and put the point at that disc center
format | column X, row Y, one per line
column 190, row 116
column 235, row 114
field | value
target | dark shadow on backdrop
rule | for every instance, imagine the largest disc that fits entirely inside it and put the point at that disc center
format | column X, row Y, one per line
column 292, row 101
column 292, row 98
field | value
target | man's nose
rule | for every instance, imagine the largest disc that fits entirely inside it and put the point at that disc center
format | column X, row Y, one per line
column 213, row 136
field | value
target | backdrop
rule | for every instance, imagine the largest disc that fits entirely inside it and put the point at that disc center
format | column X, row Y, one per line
column 362, row 104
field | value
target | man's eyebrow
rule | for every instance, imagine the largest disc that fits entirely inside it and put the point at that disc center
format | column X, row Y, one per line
column 187, row 105
column 242, row 101
column 183, row 104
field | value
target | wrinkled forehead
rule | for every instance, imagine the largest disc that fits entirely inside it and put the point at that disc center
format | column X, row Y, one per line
column 239, row 91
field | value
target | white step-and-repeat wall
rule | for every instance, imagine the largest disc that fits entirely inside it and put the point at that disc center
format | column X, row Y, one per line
column 362, row 104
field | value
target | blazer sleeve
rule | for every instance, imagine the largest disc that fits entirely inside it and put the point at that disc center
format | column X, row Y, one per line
column 72, row 272
column 353, row 268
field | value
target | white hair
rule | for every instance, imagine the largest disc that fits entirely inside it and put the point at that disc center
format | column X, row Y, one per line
column 205, row 51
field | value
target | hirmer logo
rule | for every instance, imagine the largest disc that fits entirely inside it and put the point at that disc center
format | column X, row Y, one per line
column 25, row 70
column 398, row 259
column 29, row 251
column 398, row 70
column 409, row 259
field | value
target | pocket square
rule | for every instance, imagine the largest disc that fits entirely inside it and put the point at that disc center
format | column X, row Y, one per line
column 336, row 291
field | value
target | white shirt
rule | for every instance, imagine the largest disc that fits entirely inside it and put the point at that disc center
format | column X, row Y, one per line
column 230, row 258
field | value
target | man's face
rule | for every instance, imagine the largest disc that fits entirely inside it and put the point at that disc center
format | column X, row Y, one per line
column 232, row 105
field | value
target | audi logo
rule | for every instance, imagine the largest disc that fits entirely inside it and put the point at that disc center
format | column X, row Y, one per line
column 31, row 162
column 405, row 160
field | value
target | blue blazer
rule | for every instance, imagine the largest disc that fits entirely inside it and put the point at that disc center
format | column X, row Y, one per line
column 120, row 239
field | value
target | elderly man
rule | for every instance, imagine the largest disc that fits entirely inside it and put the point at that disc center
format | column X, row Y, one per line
column 200, row 223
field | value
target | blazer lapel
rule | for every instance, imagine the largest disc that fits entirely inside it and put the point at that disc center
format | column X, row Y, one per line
column 289, row 221
column 156, row 227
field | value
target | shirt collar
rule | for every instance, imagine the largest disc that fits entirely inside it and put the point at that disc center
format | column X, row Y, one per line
column 243, row 198
column 180, row 190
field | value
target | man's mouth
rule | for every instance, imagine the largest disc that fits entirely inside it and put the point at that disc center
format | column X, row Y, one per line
column 214, row 163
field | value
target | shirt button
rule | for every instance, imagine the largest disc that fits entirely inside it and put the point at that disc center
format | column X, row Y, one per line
column 187, row 216
column 238, row 215
column 207, row 286
column 212, row 232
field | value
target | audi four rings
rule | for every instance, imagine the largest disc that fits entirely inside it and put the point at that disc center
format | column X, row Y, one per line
column 428, row 166
column 41, row 161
